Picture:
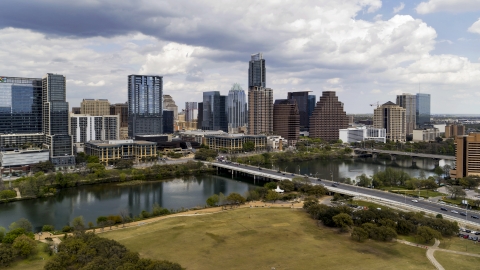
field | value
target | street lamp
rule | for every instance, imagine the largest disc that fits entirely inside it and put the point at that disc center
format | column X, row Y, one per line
column 298, row 169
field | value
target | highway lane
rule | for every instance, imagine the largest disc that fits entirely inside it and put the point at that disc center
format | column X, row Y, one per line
column 431, row 206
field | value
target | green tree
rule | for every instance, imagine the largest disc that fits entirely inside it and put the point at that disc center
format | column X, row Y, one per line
column 272, row 196
column 438, row 171
column 13, row 234
column 48, row 228
column 270, row 185
column 2, row 233
column 427, row 234
column 7, row 194
column 455, row 191
column 124, row 164
column 204, row 154
column 45, row 166
column 6, row 255
column 212, row 200
column 21, row 223
column 24, row 246
column 248, row 146
column 97, row 169
column 236, row 198
column 78, row 223
column 363, row 180
column 286, row 185
column 343, row 221
column 359, row 234
column 93, row 159
column 309, row 202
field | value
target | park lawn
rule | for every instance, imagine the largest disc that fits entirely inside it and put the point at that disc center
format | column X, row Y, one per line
column 34, row 263
column 262, row 238
column 414, row 239
column 460, row 244
column 423, row 193
column 370, row 204
column 452, row 261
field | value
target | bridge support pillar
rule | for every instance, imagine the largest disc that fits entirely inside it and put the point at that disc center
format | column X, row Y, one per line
column 437, row 162
column 393, row 157
column 374, row 155
column 414, row 162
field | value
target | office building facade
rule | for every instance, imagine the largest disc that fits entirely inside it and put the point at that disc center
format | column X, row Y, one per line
column 425, row 135
column 360, row 134
column 303, row 107
column 121, row 109
column 168, row 122
column 452, row 131
column 56, row 120
column 191, row 111
column 145, row 106
column 392, row 118
column 20, row 105
column 257, row 71
column 422, row 109
column 236, row 108
column 169, row 105
column 467, row 158
column 214, row 115
column 286, row 120
column 409, row 103
column 200, row 115
column 328, row 118
column 312, row 99
column 260, row 111
column 95, row 107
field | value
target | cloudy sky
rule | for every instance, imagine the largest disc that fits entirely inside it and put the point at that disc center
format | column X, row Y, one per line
column 365, row 50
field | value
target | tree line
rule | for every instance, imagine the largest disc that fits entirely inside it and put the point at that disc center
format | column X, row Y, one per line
column 383, row 225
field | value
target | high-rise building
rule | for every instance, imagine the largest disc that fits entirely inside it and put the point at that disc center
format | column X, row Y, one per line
column 191, row 111
column 256, row 71
column 85, row 128
column 76, row 110
column 169, row 105
column 95, row 107
column 328, row 118
column 467, row 159
column 168, row 122
column 409, row 103
column 312, row 99
column 56, row 120
column 236, row 108
column 145, row 105
column 286, row 120
column 422, row 109
column 452, row 131
column 303, row 107
column 214, row 111
column 391, row 117
column 260, row 110
column 200, row 115
column 20, row 105
column 121, row 109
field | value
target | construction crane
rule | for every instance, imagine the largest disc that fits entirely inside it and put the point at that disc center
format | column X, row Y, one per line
column 377, row 104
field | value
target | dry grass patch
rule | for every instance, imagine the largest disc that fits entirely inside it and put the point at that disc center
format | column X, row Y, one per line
column 253, row 238
column 452, row 261
column 460, row 244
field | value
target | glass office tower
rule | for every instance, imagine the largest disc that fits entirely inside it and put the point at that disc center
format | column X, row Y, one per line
column 214, row 111
column 256, row 71
column 423, row 109
column 236, row 108
column 312, row 99
column 302, row 105
column 20, row 105
column 56, row 120
column 145, row 106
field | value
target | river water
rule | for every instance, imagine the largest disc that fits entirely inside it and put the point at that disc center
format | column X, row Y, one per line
column 109, row 199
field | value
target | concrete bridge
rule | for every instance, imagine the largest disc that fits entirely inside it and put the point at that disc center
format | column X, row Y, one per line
column 412, row 155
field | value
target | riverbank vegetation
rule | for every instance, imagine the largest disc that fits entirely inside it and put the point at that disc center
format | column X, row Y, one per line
column 46, row 184
column 381, row 224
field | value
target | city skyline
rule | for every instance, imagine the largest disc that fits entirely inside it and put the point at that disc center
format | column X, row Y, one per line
column 366, row 51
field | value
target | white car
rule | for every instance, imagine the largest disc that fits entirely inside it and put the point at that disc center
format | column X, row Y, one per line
column 454, row 211
column 414, row 200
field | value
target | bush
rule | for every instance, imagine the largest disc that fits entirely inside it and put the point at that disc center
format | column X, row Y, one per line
column 7, row 194
column 67, row 229
column 48, row 228
column 145, row 214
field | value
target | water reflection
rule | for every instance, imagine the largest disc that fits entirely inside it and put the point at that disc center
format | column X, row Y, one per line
column 94, row 201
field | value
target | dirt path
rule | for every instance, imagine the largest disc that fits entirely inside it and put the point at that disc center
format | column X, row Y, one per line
column 19, row 196
column 431, row 258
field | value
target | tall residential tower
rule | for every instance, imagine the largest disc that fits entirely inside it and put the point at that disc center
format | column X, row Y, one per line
column 236, row 108
column 145, row 105
column 422, row 109
column 408, row 102
column 256, row 71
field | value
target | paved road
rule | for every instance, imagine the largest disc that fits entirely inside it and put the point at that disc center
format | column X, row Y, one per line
column 434, row 207
column 400, row 153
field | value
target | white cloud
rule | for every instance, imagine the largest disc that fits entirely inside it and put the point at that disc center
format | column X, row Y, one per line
column 454, row 6
column 99, row 83
column 334, row 81
column 376, row 91
column 475, row 27
column 399, row 8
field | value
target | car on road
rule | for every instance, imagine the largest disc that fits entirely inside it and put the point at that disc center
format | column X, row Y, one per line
column 319, row 179
column 260, row 168
column 278, row 171
column 334, row 185
column 477, row 233
column 463, row 214
column 415, row 201
column 475, row 238
column 454, row 211
column 475, row 217
column 468, row 231
column 443, row 209
column 293, row 174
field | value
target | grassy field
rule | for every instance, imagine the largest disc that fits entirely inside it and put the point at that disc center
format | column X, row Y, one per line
column 460, row 244
column 456, row 262
column 34, row 263
column 423, row 193
column 260, row 239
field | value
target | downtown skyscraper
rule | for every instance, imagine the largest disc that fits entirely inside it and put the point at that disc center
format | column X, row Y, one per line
column 260, row 98
column 145, row 105
column 256, row 71
column 236, row 108
column 422, row 112
column 56, row 120
column 408, row 102
column 214, row 115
